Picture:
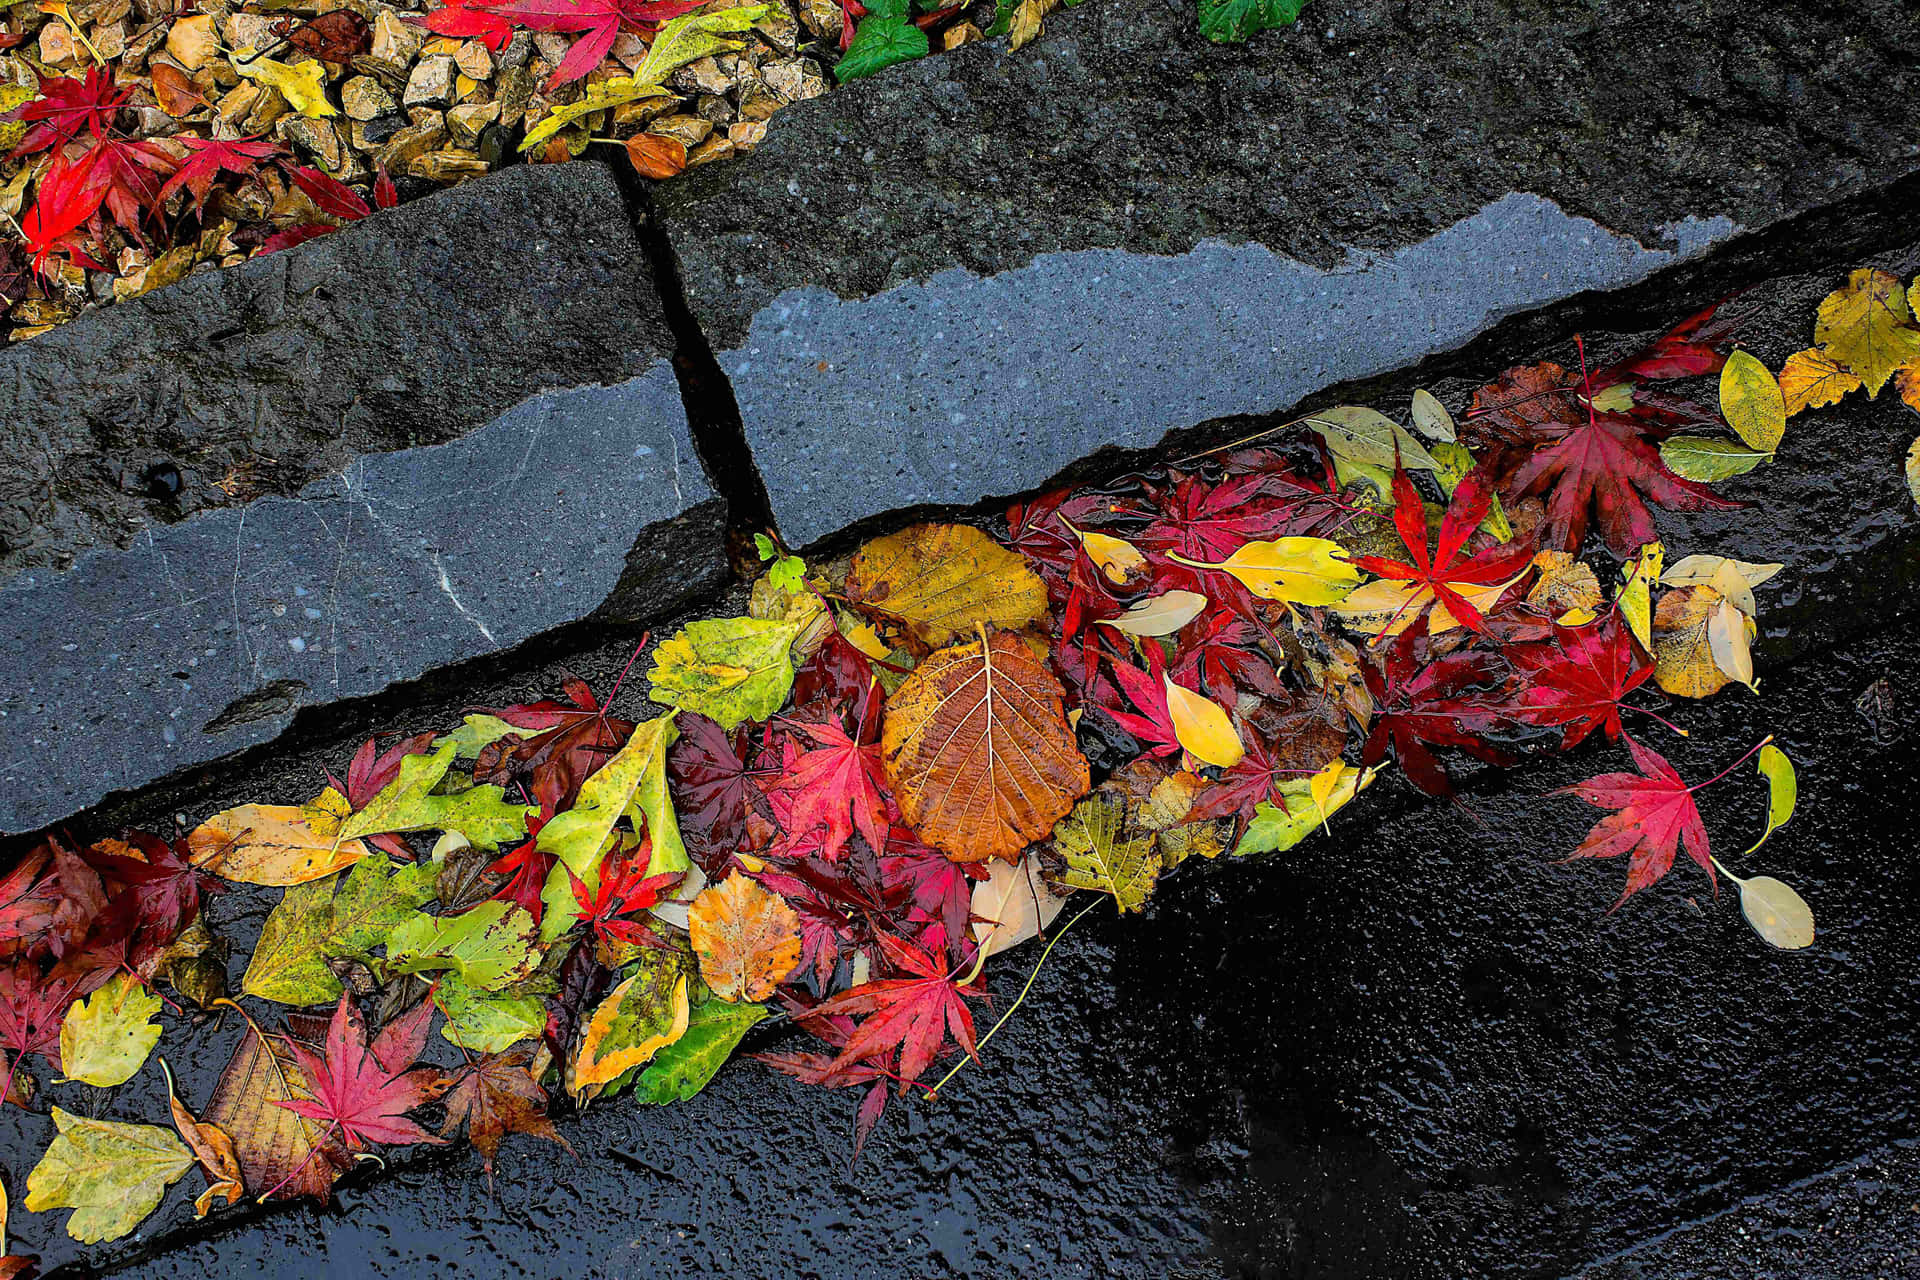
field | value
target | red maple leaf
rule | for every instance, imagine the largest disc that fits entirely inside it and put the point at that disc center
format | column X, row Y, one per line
column 574, row 738
column 67, row 105
column 526, row 867
column 1447, row 702
column 1240, row 789
column 469, row 21
column 1153, row 725
column 368, row 774
column 70, row 192
column 135, row 173
column 1655, row 812
column 908, row 1018
column 209, row 157
column 844, row 906
column 31, row 1010
column 597, row 21
column 835, row 789
column 166, row 886
column 365, row 1092
column 329, row 195
column 24, row 915
column 939, row 889
column 1217, row 651
column 707, row 780
column 1210, row 522
column 624, row 889
column 1575, row 681
column 293, row 237
column 1446, row 569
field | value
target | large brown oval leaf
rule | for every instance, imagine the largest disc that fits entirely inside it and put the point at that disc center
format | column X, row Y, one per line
column 978, row 751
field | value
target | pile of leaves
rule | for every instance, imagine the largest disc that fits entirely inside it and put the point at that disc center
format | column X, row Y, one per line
column 894, row 767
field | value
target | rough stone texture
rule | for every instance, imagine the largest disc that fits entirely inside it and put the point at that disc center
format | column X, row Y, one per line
column 206, row 636
column 935, row 285
column 411, row 328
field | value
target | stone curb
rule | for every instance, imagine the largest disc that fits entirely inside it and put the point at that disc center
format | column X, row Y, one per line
column 530, row 509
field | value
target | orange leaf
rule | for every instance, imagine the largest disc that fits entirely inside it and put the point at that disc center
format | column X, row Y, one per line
column 214, row 1149
column 977, row 748
column 1812, row 378
column 656, row 156
column 747, row 939
column 173, row 91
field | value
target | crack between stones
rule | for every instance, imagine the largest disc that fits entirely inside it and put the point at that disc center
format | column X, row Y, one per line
column 713, row 413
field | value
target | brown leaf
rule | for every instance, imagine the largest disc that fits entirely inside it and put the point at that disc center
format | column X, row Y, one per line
column 497, row 1096
column 333, row 37
column 655, row 155
column 1686, row 627
column 174, row 92
column 278, row 1150
column 943, row 580
column 748, row 939
column 978, row 751
column 213, row 1149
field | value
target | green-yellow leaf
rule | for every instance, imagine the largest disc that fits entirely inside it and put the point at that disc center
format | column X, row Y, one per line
column 1103, row 855
column 1913, row 471
column 1777, row 913
column 303, row 85
column 1309, row 803
column 1867, row 326
column 486, row 1022
column 1430, row 417
column 1707, row 460
column 1783, row 790
column 643, row 1015
column 1751, row 402
column 494, row 944
column 606, row 94
column 683, row 1068
column 478, row 732
column 481, row 814
column 1635, row 594
column 110, row 1174
column 1309, row 571
column 1452, row 463
column 730, row 669
column 633, row 781
column 345, row 915
column 105, row 1037
column 1368, row 437
column 695, row 35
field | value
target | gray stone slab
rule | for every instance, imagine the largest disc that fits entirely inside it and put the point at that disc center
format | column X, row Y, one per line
column 943, row 284
column 206, row 636
column 410, row 328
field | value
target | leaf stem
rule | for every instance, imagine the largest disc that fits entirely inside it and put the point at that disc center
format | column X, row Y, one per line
column 1730, row 768
column 1656, row 718
column 1017, row 1000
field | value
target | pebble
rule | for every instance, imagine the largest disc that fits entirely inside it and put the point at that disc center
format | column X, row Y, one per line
column 718, row 147
column 396, row 41
column 58, row 48
column 191, row 42
column 365, row 98
column 474, row 61
column 689, row 130
column 427, row 131
column 448, row 166
column 465, row 124
column 746, row 134
column 431, row 84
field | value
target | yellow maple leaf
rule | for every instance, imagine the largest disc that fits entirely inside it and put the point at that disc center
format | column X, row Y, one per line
column 1867, row 326
column 303, row 85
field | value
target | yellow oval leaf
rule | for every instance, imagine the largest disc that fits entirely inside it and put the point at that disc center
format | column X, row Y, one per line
column 272, row 844
column 1309, row 571
column 747, row 938
column 1682, row 650
column 1751, row 402
column 1160, row 615
column 942, row 580
column 1203, row 726
column 1913, row 471
column 1777, row 913
column 303, row 85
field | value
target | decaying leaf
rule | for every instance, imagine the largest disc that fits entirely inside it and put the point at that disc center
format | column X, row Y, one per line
column 270, row 844
column 1203, row 726
column 1776, row 912
column 638, row 1018
column 1752, row 403
column 682, row 1069
column 1867, row 326
column 344, row 916
column 279, row 1152
column 486, row 1021
column 1700, row 643
column 1366, row 437
column 110, row 1174
column 494, row 944
column 1122, row 563
column 696, row 35
column 633, row 783
column 1160, row 615
column 942, row 581
column 727, row 669
column 1564, row 583
column 1104, row 855
column 1635, row 593
column 978, row 751
column 1812, row 378
column 105, row 1037
column 1308, row 571
column 654, row 155
column 495, row 1096
column 409, row 803
column 303, row 85
column 1734, row 579
column 1430, row 417
column 212, row 1148
column 601, row 96
column 1012, row 905
column 747, row 938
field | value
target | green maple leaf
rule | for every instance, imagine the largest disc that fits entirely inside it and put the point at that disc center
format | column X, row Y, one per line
column 1232, row 21
column 110, row 1174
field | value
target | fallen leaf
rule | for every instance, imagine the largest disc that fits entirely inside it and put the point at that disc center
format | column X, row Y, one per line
column 601, row 96
column 174, row 92
column 1812, row 378
column 1866, row 326
column 1203, row 726
column 1310, row 802
column 1430, row 417
column 1444, row 585
column 1024, row 27
column 280, row 1153
column 978, row 751
column 1160, row 615
column 696, row 35
column 1233, row 21
column 941, row 581
column 1654, row 813
column 1119, row 561
column 408, row 803
column 633, row 781
column 342, row 917
column 1734, row 579
column 1369, row 438
column 496, row 1096
column 213, row 1148
column 1105, row 854
column 748, row 939
column 1684, row 647
column 1564, row 583
column 1634, row 596
column 106, row 1037
column 303, row 85
column 1307, row 571
column 494, row 944
column 1752, row 403
column 654, row 155
column 727, row 669
column 361, row 1091
column 1707, row 460
column 911, row 1015
column 110, row 1174
column 638, row 1018
column 683, row 1068
column 1013, row 904
column 1777, row 913
column 270, row 844
column 1913, row 471
column 486, row 1021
